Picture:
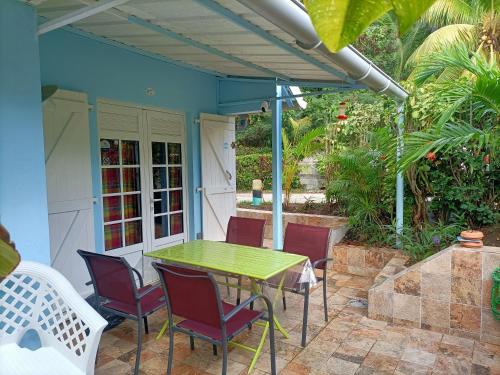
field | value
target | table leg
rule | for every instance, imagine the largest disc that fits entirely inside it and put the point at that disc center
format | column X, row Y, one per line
column 257, row 290
column 162, row 330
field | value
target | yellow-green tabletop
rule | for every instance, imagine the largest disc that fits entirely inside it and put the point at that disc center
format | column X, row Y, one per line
column 255, row 263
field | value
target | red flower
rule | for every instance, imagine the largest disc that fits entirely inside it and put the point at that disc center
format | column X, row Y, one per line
column 486, row 159
column 431, row 156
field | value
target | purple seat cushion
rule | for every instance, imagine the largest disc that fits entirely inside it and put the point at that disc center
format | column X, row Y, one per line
column 150, row 302
column 236, row 323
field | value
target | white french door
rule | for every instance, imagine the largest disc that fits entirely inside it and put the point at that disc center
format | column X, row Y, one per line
column 142, row 181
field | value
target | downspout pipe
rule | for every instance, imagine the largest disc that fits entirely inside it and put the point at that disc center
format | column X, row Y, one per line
column 292, row 17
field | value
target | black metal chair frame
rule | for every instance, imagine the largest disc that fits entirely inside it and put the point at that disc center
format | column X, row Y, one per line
column 224, row 318
column 139, row 317
column 305, row 293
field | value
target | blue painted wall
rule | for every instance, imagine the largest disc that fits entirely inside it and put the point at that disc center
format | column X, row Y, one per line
column 23, row 196
column 238, row 90
column 75, row 62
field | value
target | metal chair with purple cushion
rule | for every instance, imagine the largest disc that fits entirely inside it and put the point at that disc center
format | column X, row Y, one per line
column 194, row 296
column 244, row 231
column 116, row 291
column 313, row 242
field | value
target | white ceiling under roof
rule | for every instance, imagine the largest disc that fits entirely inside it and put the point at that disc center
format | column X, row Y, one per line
column 193, row 32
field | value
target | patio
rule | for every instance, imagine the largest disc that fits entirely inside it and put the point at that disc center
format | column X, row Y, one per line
column 349, row 343
column 130, row 151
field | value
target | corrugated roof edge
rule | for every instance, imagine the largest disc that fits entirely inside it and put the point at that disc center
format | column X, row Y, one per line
column 291, row 16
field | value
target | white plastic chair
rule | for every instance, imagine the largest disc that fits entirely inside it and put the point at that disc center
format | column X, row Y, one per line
column 38, row 297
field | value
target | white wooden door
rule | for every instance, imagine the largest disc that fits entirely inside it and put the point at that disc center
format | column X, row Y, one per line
column 218, row 166
column 69, row 184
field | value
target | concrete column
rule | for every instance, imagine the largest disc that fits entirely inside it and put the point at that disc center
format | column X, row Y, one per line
column 277, row 112
column 23, row 190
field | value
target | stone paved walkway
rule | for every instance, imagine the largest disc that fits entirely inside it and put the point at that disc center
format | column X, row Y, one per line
column 349, row 343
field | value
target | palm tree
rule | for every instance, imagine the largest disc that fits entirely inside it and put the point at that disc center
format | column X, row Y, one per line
column 470, row 22
column 470, row 109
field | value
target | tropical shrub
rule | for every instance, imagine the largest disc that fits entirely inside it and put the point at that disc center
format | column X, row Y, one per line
column 364, row 190
column 463, row 188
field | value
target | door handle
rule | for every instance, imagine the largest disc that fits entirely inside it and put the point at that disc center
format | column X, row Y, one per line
column 229, row 174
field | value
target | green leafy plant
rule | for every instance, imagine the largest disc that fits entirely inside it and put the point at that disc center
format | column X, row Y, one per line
column 295, row 149
column 362, row 187
column 469, row 109
column 463, row 188
column 9, row 257
column 420, row 244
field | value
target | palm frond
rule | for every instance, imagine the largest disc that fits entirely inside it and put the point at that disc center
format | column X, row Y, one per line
column 445, row 12
column 441, row 39
column 419, row 144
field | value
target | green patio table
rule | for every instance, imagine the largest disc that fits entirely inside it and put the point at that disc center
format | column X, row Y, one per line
column 257, row 264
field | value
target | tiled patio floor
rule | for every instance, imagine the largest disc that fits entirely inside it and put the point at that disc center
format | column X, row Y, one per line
column 349, row 343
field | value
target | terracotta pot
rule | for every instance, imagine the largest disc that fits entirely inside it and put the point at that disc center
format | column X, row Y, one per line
column 472, row 235
column 472, row 245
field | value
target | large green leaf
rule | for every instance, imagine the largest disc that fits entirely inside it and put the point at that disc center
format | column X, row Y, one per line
column 9, row 259
column 340, row 22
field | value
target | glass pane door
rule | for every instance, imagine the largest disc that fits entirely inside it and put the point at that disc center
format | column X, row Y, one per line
column 168, row 189
column 121, row 193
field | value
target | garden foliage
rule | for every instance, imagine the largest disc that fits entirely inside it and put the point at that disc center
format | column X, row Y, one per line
column 450, row 161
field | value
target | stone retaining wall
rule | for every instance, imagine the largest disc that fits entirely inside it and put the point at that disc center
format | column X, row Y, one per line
column 448, row 292
column 337, row 223
column 363, row 260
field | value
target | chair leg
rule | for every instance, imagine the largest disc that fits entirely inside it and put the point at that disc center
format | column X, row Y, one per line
column 191, row 342
column 272, row 345
column 284, row 299
column 304, row 318
column 224, row 357
column 238, row 293
column 214, row 349
column 170, row 351
column 227, row 287
column 139, row 346
column 146, row 328
column 325, row 305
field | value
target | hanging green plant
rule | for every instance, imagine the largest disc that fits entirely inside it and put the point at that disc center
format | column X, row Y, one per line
column 9, row 257
column 340, row 22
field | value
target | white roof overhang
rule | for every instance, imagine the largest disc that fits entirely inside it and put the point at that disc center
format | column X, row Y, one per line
column 259, row 39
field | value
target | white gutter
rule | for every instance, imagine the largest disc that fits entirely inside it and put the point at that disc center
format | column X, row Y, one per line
column 291, row 16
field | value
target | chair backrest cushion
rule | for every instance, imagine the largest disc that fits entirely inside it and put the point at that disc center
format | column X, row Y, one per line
column 245, row 231
column 191, row 294
column 308, row 240
column 112, row 277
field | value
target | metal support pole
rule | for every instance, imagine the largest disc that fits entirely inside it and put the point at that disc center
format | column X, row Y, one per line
column 277, row 172
column 399, row 177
